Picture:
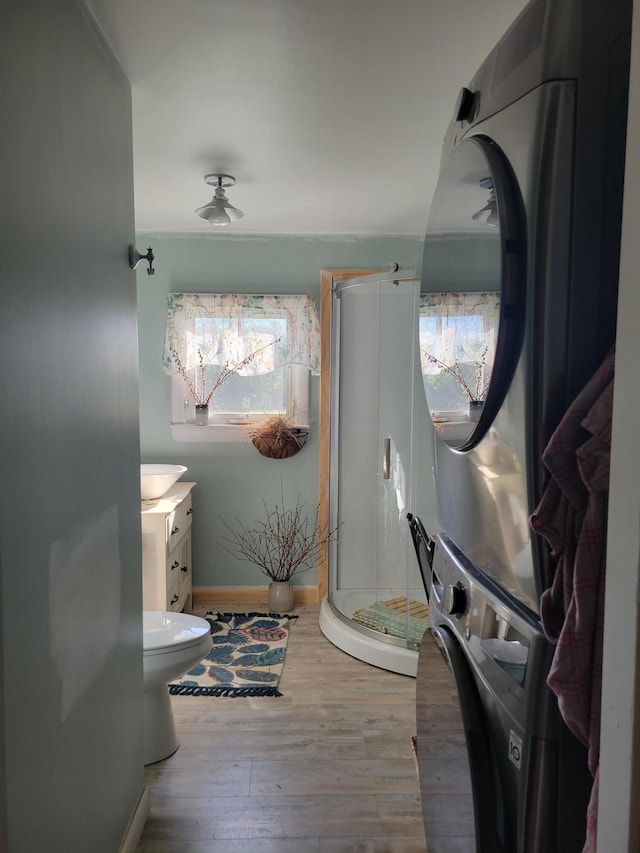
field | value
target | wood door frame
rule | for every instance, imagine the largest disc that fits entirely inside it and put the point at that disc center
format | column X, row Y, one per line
column 328, row 277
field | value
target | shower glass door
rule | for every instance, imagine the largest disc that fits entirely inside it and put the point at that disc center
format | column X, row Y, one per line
column 373, row 574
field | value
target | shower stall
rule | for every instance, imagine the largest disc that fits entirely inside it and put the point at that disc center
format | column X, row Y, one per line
column 375, row 608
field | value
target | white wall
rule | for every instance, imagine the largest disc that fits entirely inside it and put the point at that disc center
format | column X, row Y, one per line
column 70, row 574
column 618, row 817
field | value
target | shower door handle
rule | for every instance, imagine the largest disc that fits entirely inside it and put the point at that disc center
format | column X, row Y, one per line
column 386, row 459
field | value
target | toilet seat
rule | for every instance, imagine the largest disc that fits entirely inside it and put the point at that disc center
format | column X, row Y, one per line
column 162, row 631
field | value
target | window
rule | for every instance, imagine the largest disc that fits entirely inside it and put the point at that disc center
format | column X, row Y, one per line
column 269, row 342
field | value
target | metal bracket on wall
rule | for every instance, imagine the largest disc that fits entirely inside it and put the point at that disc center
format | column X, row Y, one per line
column 135, row 257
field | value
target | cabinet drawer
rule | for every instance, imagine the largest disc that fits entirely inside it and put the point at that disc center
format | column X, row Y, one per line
column 173, row 596
column 178, row 522
column 173, row 568
column 179, row 570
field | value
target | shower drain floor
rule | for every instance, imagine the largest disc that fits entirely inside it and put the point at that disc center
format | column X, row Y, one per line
column 416, row 608
column 390, row 617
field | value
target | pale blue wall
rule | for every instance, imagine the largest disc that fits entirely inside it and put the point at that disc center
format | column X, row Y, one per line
column 233, row 478
column 71, row 610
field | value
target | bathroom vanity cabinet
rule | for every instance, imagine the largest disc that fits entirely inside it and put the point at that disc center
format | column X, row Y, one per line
column 166, row 550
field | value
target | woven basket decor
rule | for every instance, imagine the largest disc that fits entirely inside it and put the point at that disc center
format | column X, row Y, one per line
column 281, row 446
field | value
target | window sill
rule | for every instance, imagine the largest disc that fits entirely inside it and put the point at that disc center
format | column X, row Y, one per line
column 211, row 432
column 223, row 433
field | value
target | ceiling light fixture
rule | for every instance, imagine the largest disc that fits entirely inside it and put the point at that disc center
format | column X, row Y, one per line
column 488, row 215
column 219, row 212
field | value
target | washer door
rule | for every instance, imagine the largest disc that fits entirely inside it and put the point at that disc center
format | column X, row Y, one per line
column 424, row 546
column 472, row 293
column 458, row 778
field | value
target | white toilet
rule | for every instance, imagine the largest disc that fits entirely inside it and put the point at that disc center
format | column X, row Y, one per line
column 173, row 643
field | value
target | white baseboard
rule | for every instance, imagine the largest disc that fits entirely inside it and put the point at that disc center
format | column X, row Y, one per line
column 136, row 823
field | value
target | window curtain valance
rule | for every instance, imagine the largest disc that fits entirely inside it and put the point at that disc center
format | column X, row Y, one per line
column 225, row 328
column 457, row 328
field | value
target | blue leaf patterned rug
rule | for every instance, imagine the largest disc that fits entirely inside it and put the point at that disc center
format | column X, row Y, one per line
column 247, row 658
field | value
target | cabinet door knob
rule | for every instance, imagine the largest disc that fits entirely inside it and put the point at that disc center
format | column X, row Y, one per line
column 174, row 599
column 175, row 565
column 175, row 530
column 190, row 510
column 184, row 568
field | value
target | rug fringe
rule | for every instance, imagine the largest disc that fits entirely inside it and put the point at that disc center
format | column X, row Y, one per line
column 225, row 617
column 221, row 690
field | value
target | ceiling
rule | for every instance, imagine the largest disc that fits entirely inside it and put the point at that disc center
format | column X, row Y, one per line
column 329, row 113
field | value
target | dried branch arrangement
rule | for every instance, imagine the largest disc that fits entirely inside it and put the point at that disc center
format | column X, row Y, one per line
column 202, row 397
column 286, row 541
column 480, row 383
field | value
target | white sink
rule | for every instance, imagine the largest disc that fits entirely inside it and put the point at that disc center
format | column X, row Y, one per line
column 156, row 479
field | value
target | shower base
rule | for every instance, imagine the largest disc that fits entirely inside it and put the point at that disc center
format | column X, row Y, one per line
column 390, row 618
column 363, row 643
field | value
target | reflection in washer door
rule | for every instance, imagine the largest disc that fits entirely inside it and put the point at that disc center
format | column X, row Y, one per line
column 472, row 293
column 458, row 779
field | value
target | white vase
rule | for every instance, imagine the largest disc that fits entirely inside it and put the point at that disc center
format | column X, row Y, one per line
column 475, row 410
column 280, row 596
column 202, row 414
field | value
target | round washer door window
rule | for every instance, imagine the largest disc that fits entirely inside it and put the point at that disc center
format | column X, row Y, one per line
column 472, row 291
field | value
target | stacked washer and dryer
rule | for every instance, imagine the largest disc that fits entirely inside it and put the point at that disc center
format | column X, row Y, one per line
column 528, row 207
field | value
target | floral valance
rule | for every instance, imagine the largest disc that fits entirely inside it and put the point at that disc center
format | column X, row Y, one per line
column 225, row 328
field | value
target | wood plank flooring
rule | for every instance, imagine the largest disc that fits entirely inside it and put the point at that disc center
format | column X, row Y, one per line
column 326, row 768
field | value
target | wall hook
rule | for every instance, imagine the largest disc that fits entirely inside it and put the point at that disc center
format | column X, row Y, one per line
column 135, row 257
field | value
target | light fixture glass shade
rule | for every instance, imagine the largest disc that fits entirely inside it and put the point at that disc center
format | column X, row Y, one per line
column 489, row 213
column 219, row 211
column 218, row 216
